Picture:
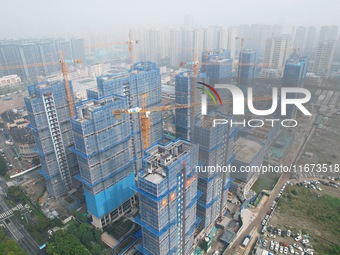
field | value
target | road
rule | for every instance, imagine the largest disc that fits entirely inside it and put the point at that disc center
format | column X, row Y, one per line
column 18, row 232
column 291, row 157
column 9, row 154
column 258, row 220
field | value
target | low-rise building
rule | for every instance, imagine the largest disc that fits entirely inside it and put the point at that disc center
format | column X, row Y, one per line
column 9, row 80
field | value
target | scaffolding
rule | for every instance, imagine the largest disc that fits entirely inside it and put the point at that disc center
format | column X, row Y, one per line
column 49, row 118
column 103, row 146
column 167, row 188
column 215, row 148
column 144, row 79
column 184, row 94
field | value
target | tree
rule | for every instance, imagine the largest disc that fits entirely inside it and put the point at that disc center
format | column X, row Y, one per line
column 63, row 242
column 3, row 166
column 86, row 234
column 16, row 194
column 9, row 247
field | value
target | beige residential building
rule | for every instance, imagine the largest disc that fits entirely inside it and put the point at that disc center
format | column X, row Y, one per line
column 277, row 51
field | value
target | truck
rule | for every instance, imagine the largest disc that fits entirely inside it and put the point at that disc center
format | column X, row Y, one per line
column 246, row 241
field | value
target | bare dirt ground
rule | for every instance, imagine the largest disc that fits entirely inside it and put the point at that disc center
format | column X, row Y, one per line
column 16, row 101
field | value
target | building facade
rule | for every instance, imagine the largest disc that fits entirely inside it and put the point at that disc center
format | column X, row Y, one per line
column 247, row 69
column 102, row 142
column 49, row 117
column 218, row 67
column 323, row 58
column 215, row 149
column 110, row 149
column 184, row 94
column 277, row 50
column 168, row 195
column 31, row 58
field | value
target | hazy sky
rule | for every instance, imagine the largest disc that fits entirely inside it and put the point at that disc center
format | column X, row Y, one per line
column 38, row 18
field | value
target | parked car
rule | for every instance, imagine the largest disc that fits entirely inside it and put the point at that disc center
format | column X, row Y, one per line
column 298, row 237
column 283, row 244
column 305, row 241
column 289, row 232
column 285, row 250
column 281, row 249
column 278, row 232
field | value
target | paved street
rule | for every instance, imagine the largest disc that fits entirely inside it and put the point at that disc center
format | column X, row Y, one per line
column 291, row 158
column 257, row 222
column 17, row 231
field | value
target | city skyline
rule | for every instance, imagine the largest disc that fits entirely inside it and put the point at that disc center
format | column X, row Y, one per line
column 81, row 17
column 112, row 141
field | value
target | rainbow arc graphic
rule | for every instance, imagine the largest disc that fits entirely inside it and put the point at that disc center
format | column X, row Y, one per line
column 211, row 91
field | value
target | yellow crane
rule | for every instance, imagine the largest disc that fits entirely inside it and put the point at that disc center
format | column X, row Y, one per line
column 66, row 84
column 130, row 42
column 145, row 121
column 64, row 71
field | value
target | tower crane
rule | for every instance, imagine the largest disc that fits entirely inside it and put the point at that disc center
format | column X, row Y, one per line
column 145, row 120
column 130, row 42
column 66, row 83
column 64, row 71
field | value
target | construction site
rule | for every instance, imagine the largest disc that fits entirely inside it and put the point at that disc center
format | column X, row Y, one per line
column 123, row 152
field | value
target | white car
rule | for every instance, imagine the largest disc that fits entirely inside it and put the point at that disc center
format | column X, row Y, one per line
column 266, row 218
column 281, row 249
column 264, row 222
column 285, row 250
column 305, row 241
column 289, row 232
column 279, row 232
column 298, row 238
column 291, row 249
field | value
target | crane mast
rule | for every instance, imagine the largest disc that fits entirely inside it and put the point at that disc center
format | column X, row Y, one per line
column 66, row 83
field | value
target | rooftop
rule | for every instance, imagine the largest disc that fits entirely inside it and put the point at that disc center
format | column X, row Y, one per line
column 10, row 116
column 246, row 149
column 161, row 156
column 22, row 135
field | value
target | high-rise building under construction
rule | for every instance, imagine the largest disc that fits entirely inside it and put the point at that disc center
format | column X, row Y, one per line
column 168, row 195
column 49, row 117
column 215, row 149
column 218, row 67
column 109, row 147
column 185, row 93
